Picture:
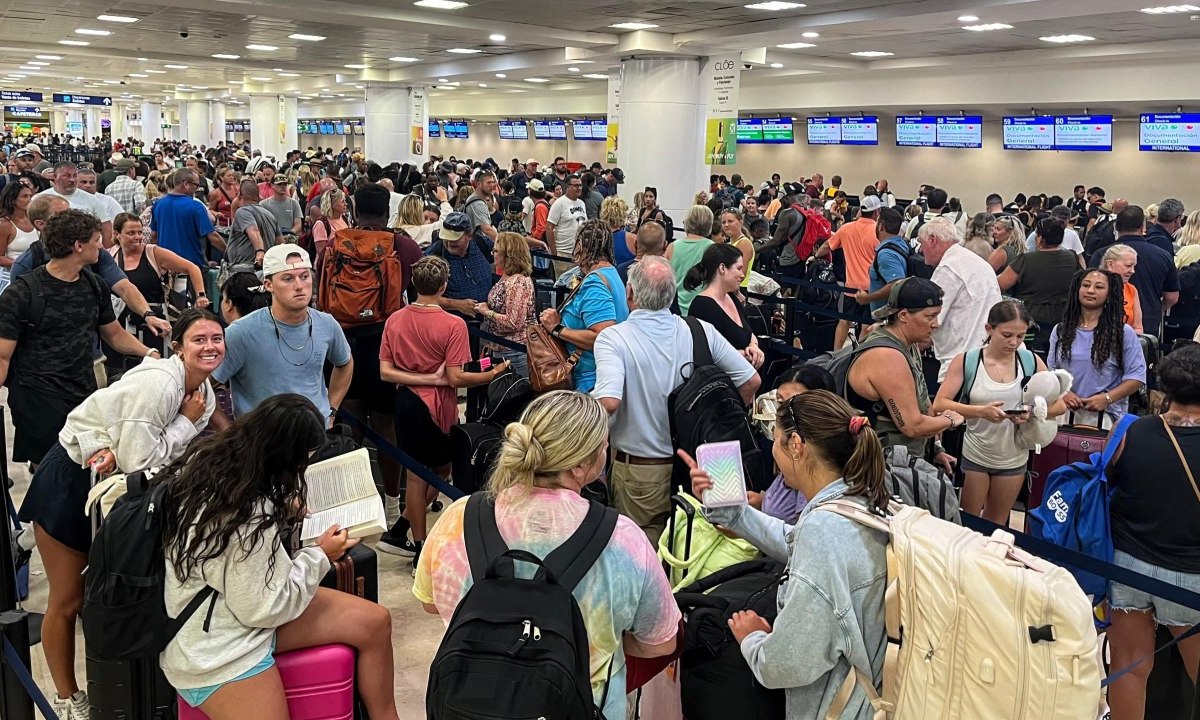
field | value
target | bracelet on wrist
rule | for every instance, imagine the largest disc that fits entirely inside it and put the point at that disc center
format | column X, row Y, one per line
column 1108, row 399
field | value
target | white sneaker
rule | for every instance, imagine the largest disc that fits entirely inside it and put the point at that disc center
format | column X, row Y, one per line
column 75, row 707
column 391, row 509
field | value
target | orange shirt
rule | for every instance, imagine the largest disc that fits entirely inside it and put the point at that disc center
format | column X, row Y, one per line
column 1131, row 300
column 857, row 240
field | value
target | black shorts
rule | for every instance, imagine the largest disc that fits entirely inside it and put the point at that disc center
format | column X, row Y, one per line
column 862, row 313
column 38, row 417
column 416, row 432
column 56, row 498
column 365, row 385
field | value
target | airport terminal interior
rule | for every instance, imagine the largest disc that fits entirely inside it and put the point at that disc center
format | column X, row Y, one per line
column 749, row 124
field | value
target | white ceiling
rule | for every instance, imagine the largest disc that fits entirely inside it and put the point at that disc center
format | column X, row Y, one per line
column 545, row 38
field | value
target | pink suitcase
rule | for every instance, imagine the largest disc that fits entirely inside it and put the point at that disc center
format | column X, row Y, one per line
column 319, row 682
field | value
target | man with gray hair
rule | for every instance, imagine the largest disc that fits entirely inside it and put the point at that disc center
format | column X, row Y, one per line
column 180, row 223
column 969, row 290
column 1162, row 231
column 638, row 365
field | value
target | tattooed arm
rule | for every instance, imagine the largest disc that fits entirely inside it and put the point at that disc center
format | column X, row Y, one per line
column 883, row 374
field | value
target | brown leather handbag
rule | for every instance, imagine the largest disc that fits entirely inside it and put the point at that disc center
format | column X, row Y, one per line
column 550, row 365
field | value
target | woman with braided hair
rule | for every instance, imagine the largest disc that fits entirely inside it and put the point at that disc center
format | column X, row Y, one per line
column 597, row 301
column 1095, row 345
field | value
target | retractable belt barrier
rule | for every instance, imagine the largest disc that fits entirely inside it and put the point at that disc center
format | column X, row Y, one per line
column 402, row 457
column 495, row 339
column 17, row 667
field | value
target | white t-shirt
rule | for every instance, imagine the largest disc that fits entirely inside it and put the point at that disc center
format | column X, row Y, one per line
column 1070, row 241
column 527, row 205
column 112, row 207
column 566, row 216
column 80, row 200
column 970, row 290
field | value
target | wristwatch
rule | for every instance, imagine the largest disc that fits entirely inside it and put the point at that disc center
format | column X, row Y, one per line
column 148, row 313
column 557, row 331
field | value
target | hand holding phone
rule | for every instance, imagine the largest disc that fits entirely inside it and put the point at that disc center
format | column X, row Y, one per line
column 723, row 463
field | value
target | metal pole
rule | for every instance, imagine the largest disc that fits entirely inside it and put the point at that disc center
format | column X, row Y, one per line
column 15, row 702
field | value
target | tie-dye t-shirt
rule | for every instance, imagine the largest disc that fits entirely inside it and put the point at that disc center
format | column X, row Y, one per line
column 626, row 590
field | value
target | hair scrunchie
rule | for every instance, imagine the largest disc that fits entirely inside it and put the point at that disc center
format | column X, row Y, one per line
column 857, row 423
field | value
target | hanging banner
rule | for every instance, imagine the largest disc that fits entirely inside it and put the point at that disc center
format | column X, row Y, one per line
column 614, row 117
column 722, row 76
column 282, row 123
column 418, row 116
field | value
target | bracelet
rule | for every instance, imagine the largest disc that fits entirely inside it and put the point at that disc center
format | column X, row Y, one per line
column 150, row 352
column 1108, row 398
column 148, row 313
column 200, row 294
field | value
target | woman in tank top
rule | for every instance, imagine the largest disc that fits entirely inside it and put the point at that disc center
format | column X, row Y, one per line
column 145, row 265
column 993, row 464
column 220, row 200
column 17, row 232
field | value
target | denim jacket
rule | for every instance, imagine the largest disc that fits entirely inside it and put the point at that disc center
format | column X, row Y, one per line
column 830, row 604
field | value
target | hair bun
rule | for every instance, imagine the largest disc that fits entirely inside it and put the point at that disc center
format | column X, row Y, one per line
column 524, row 452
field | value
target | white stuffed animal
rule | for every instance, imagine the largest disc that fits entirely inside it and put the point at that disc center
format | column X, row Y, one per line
column 1040, row 392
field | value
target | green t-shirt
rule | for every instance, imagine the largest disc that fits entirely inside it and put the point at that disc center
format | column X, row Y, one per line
column 685, row 254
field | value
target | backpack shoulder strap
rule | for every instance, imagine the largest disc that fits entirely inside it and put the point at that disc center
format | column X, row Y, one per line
column 893, row 248
column 971, row 361
column 481, row 535
column 37, row 298
column 572, row 560
column 701, row 354
column 1114, row 440
column 1027, row 361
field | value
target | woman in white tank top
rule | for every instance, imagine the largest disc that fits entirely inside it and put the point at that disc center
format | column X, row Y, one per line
column 993, row 464
column 17, row 232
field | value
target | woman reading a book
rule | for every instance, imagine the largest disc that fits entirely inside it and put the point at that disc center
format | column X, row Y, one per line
column 232, row 500
column 144, row 420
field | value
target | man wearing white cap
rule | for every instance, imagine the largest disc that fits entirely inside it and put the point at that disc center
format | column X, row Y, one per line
column 283, row 348
column 857, row 240
column 521, row 180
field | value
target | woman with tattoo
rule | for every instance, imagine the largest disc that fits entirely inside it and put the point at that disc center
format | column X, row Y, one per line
column 1100, row 351
column 992, row 462
column 885, row 380
column 1154, row 507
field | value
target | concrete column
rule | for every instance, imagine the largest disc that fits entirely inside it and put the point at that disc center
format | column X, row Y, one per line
column 151, row 121
column 92, row 120
column 117, row 118
column 199, row 122
column 662, row 129
column 183, row 129
column 272, row 124
column 396, row 123
column 216, row 115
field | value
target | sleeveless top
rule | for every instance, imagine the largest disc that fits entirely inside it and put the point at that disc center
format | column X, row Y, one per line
column 145, row 276
column 621, row 248
column 225, row 208
column 881, row 419
column 20, row 242
column 994, row 445
column 739, row 243
column 684, row 254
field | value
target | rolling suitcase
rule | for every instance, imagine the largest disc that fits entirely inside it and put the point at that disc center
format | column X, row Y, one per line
column 129, row 690
column 474, row 450
column 318, row 682
column 357, row 573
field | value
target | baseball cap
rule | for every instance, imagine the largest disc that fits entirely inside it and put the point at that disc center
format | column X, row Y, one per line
column 33, row 148
column 870, row 203
column 22, row 153
column 531, row 161
column 911, row 293
column 454, row 227
column 276, row 259
column 535, row 184
column 124, row 165
column 280, row 180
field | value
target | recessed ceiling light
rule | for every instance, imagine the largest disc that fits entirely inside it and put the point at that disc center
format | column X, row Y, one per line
column 324, row 89
column 361, row 87
column 443, row 80
column 264, row 48
column 404, row 59
column 226, row 56
column 633, row 26
column 48, row 57
column 497, row 37
column 30, row 68
column 138, row 75
column 795, row 45
column 287, row 74
column 501, row 75
column 482, row 85
column 16, row 75
column 440, row 4
column 35, row 62
column 872, row 54
column 987, row 27
column 1169, row 9
column 117, row 18
column 537, row 80
column 774, row 5
column 112, row 82
column 89, row 31
column 1066, row 38
column 444, row 87
column 464, row 51
column 308, row 38
column 968, row 18
column 75, row 43
column 157, row 72
column 776, row 65
column 199, row 87
column 596, row 76
column 261, row 79
column 810, row 34
column 176, row 67
column 356, row 66
column 573, row 69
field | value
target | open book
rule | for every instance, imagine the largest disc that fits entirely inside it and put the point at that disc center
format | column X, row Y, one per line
column 341, row 491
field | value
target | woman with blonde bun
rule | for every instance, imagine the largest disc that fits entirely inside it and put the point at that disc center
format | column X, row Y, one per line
column 560, row 445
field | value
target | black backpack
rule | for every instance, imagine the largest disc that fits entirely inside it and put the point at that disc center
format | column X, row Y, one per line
column 819, row 271
column 37, row 297
column 507, row 397
column 124, row 613
column 518, row 648
column 1102, row 234
column 707, row 408
column 914, row 262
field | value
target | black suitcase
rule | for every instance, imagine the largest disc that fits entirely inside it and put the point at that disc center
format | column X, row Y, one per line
column 129, row 690
column 474, row 450
column 357, row 573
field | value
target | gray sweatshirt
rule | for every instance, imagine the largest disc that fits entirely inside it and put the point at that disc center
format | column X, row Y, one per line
column 830, row 605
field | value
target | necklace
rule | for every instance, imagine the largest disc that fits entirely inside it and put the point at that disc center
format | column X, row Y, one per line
column 280, row 339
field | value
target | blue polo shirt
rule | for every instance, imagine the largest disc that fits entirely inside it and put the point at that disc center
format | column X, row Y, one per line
column 889, row 266
column 182, row 223
column 471, row 275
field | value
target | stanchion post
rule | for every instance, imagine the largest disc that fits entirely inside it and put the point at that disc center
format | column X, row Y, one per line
column 15, row 702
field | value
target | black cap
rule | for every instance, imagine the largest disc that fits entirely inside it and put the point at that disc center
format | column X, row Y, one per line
column 911, row 293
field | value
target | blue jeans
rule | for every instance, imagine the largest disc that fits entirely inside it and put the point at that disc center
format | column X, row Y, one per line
column 520, row 362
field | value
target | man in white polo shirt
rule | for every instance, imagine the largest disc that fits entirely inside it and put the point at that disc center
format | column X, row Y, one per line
column 66, row 178
column 637, row 367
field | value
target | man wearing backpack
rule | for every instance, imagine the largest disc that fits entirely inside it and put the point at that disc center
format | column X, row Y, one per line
column 857, row 240
column 789, row 228
column 936, row 200
column 479, row 206
column 634, row 385
column 891, row 259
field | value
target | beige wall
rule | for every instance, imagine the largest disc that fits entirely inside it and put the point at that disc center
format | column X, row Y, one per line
column 1141, row 177
column 484, row 142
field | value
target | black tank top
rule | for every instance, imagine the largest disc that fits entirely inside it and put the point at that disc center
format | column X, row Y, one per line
column 144, row 277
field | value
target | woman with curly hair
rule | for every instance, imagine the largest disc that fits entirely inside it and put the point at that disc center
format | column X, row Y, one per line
column 1008, row 236
column 232, row 499
column 597, row 301
column 1097, row 347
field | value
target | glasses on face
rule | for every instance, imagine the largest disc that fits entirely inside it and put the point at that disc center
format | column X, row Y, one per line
column 575, row 185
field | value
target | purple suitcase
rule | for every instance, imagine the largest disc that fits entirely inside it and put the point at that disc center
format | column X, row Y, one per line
column 1074, row 443
column 318, row 681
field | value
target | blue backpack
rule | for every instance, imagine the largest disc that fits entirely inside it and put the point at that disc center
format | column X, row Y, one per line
column 1074, row 510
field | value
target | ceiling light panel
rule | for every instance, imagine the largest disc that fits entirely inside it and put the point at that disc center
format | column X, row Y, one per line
column 795, row 46
column 536, row 80
column 404, row 59
column 596, row 76
column 117, row 18
column 633, row 26
column 90, row 31
column 263, row 48
column 497, row 38
column 464, row 51
column 872, row 54
column 226, row 56
column 306, row 38
column 1170, row 9
column 774, row 6
column 968, row 18
column 1066, row 38
column 74, row 43
column 440, row 4
column 176, row 67
column 987, row 27
column 48, row 57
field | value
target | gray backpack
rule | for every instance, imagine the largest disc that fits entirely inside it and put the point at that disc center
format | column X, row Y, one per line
column 916, row 482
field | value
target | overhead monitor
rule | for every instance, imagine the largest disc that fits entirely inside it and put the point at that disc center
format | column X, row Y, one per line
column 1083, row 132
column 1179, row 132
column 435, row 129
column 824, row 131
column 1029, row 132
column 916, row 131
column 962, row 131
column 860, row 130
column 455, row 129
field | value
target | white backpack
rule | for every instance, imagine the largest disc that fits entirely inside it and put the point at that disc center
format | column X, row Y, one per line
column 985, row 630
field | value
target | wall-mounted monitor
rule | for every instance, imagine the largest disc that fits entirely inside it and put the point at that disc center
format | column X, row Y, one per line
column 1169, row 133
column 455, row 129
column 513, row 130
column 824, row 131
column 860, row 130
column 960, row 131
column 1028, row 132
column 590, row 130
column 1083, row 132
column 550, row 130
column 765, row 131
column 916, row 131
column 435, row 130
column 359, row 128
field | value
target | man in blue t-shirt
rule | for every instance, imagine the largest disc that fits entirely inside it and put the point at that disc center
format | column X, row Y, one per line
column 891, row 259
column 180, row 223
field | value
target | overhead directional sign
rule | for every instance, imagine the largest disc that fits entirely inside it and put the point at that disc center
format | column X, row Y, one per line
column 20, row 96
column 82, row 99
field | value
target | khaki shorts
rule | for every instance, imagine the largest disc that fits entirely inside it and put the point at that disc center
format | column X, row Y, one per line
column 643, row 494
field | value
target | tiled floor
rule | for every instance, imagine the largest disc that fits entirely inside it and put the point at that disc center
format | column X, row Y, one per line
column 415, row 634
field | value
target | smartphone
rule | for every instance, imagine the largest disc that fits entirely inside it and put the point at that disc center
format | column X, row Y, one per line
column 723, row 463
column 1016, row 411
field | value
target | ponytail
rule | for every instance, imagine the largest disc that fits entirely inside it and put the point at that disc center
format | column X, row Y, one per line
column 703, row 272
column 865, row 469
column 695, row 278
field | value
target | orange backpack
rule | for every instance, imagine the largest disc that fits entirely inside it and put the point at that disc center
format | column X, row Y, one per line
column 361, row 278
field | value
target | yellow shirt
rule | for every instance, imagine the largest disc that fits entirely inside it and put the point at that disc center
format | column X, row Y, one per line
column 1187, row 255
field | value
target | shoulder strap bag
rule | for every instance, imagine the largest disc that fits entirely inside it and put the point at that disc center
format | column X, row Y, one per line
column 550, row 365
